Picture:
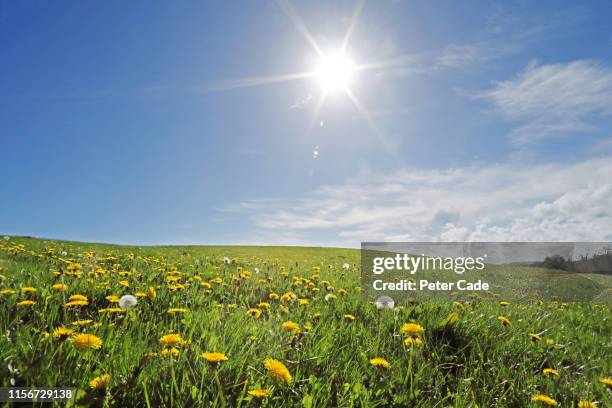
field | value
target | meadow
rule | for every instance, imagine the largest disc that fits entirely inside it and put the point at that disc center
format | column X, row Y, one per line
column 278, row 327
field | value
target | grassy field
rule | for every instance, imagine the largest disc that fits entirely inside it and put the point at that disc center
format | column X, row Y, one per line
column 292, row 328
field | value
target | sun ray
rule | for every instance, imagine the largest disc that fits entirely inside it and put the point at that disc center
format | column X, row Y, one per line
column 318, row 107
column 257, row 81
column 366, row 116
column 297, row 22
column 352, row 25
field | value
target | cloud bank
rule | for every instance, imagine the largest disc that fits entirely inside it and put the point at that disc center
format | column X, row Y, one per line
column 509, row 202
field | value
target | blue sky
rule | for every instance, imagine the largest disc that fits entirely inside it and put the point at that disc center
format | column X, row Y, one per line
column 132, row 122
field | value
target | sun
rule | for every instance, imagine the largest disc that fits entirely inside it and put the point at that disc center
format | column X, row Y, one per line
column 334, row 71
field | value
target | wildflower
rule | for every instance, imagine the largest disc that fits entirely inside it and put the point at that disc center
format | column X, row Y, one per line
column 545, row 400
column 606, row 381
column 171, row 339
column 273, row 296
column 140, row 294
column 550, row 342
column 177, row 310
column 303, row 302
column 254, row 312
column 263, row 305
column 206, row 285
column 127, row 301
column 291, row 326
column 151, row 293
column 349, row 317
column 259, row 393
column 586, row 404
column 7, row 292
column 329, row 297
column 85, row 341
column 113, row 298
column 346, row 266
column 412, row 329
column 29, row 289
column 277, row 370
column 173, row 351
column 111, row 310
column 380, row 362
column 59, row 287
column 504, row 321
column 26, row 303
column 80, row 323
column 100, row 383
column 77, row 298
column 214, row 358
column 410, row 341
column 458, row 304
column 550, row 372
column 384, row 302
column 504, row 303
column 534, row 337
column 124, row 283
column 76, row 303
column 62, row 333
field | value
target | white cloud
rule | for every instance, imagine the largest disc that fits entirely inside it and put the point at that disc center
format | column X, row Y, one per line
column 509, row 202
column 554, row 100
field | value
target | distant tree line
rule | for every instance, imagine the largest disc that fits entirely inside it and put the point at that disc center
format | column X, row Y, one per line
column 597, row 263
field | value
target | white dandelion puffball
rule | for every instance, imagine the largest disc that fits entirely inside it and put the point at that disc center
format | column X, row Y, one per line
column 256, row 270
column 226, row 260
column 346, row 267
column 385, row 302
column 127, row 301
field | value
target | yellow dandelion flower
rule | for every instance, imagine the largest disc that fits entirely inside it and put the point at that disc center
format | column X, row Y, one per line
column 550, row 372
column 61, row 333
column 25, row 303
column 259, row 393
column 214, row 357
column 263, row 305
column 85, row 341
column 329, row 297
column 349, row 317
column 273, row 296
column 76, row 303
column 413, row 341
column 504, row 321
column 291, row 326
column 177, row 310
column 59, row 287
column 171, row 339
column 100, row 383
column 544, row 400
column 254, row 312
column 29, row 289
column 458, row 304
column 170, row 351
column 113, row 298
column 140, row 294
column 7, row 292
column 504, row 303
column 151, row 293
column 412, row 329
column 550, row 342
column 606, row 381
column 80, row 323
column 277, row 370
column 342, row 291
column 534, row 337
column 303, row 302
column 586, row 404
column 380, row 362
column 78, row 298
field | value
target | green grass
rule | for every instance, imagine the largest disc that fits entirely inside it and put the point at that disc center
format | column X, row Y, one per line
column 473, row 361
